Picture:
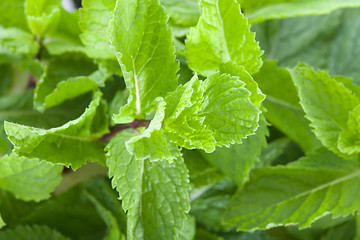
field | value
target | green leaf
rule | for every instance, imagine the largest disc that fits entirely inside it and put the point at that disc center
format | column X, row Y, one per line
column 282, row 104
column 349, row 141
column 113, row 232
column 2, row 223
column 11, row 8
column 28, row 179
column 94, row 20
column 257, row 12
column 328, row 41
column 69, row 89
column 76, row 215
column 32, row 232
column 18, row 41
column 202, row 173
column 239, row 159
column 154, row 194
column 299, row 193
column 345, row 49
column 182, row 124
column 228, row 110
column 145, row 51
column 215, row 112
column 42, row 15
column 66, row 37
column 152, row 143
column 327, row 104
column 215, row 40
column 208, row 204
column 188, row 231
column 73, row 144
column 182, row 12
column 60, row 69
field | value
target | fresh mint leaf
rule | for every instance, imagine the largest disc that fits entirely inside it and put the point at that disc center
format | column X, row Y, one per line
column 42, row 15
column 28, row 179
column 227, row 39
column 327, row 104
column 113, row 232
column 239, row 159
column 73, row 144
column 258, row 11
column 201, row 172
column 66, row 36
column 69, row 89
column 154, row 193
column 94, row 21
column 32, row 232
column 152, row 143
column 11, row 8
column 18, row 41
column 215, row 112
column 316, row 185
column 57, row 70
column 282, row 104
column 146, row 55
column 182, row 13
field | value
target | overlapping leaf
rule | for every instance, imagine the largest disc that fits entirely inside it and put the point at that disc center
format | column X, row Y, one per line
column 73, row 144
column 32, row 232
column 215, row 112
column 154, row 193
column 298, row 193
column 258, row 11
column 327, row 104
column 42, row 15
column 94, row 20
column 28, row 179
column 145, row 51
column 222, row 35
column 282, row 104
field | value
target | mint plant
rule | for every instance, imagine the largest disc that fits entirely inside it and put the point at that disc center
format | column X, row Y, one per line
column 210, row 119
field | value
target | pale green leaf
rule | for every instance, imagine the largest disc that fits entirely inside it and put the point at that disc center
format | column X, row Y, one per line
column 299, row 193
column 42, row 15
column 182, row 12
column 182, row 124
column 94, row 20
column 11, row 8
column 60, row 69
column 349, row 139
column 73, row 144
column 222, row 35
column 145, row 51
column 327, row 104
column 257, row 11
column 66, row 37
column 282, row 104
column 188, row 231
column 239, row 159
column 69, row 89
column 154, row 194
column 152, row 144
column 32, row 232
column 228, row 110
column 18, row 41
column 28, row 179
column 214, row 112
